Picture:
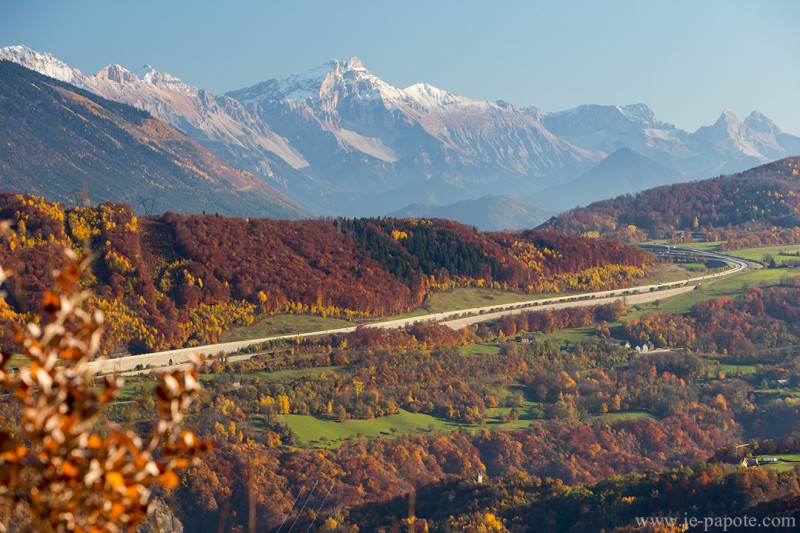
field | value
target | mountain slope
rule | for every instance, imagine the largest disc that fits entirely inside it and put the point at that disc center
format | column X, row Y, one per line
column 609, row 128
column 43, row 63
column 211, row 120
column 374, row 140
column 728, row 145
column 488, row 213
column 766, row 197
column 737, row 144
column 622, row 172
column 340, row 140
column 59, row 139
column 224, row 126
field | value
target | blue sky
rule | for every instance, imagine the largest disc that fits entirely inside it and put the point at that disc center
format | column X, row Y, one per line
column 688, row 60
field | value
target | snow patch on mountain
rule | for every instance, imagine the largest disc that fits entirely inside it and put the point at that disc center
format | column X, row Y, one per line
column 431, row 98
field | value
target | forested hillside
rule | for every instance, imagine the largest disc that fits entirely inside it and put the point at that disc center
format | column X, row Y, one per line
column 550, row 428
column 564, row 432
column 518, row 501
column 177, row 280
column 759, row 206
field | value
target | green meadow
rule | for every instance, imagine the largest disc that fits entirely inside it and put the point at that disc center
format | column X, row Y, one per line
column 270, row 325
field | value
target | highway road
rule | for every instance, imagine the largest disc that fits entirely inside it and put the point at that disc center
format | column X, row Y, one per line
column 454, row 319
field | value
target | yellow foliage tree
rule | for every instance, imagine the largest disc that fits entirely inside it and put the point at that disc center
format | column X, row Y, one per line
column 67, row 471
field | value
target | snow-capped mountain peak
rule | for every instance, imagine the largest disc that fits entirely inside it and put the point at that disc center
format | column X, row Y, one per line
column 149, row 75
column 638, row 113
column 344, row 141
column 331, row 78
column 727, row 126
column 41, row 62
column 351, row 77
column 428, row 95
column 353, row 63
column 115, row 77
column 295, row 87
column 760, row 123
column 728, row 117
column 117, row 74
column 732, row 136
column 589, row 119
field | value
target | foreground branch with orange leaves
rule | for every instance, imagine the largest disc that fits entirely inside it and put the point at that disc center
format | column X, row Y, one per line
column 68, row 470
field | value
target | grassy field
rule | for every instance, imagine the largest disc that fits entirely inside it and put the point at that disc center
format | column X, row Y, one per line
column 791, row 252
column 478, row 349
column 132, row 386
column 780, row 467
column 727, row 286
column 793, row 457
column 283, row 375
column 320, row 432
column 311, row 430
column 467, row 298
column 572, row 335
column 664, row 273
column 732, row 370
column 750, row 253
column 704, row 246
column 323, row 432
column 283, row 325
column 629, row 415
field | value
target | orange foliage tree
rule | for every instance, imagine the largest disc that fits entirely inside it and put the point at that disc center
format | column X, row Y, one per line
column 67, row 470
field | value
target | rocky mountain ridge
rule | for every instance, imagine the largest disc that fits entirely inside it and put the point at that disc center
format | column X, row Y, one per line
column 340, row 140
column 60, row 140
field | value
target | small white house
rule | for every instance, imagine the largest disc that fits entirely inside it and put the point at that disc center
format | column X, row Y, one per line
column 748, row 462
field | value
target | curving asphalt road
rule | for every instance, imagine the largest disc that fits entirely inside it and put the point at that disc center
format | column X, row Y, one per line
column 452, row 319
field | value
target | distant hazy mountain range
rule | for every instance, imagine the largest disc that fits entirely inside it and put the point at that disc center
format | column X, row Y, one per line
column 339, row 140
column 490, row 212
column 623, row 171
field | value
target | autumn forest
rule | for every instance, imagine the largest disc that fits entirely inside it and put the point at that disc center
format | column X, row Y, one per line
column 570, row 419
